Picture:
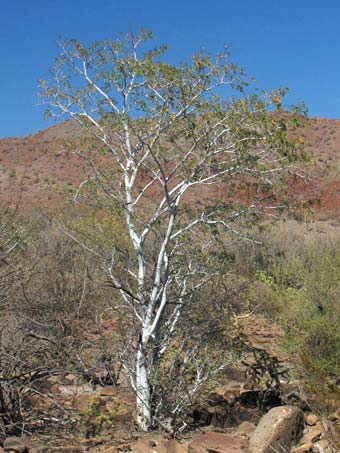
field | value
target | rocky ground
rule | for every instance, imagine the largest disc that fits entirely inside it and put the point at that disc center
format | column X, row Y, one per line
column 282, row 429
column 230, row 420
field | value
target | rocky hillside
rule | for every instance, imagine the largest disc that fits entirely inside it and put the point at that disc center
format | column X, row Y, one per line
column 36, row 169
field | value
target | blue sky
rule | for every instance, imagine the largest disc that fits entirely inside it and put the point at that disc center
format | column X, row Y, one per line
column 281, row 43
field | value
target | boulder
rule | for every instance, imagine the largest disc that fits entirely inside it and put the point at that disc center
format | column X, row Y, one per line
column 278, row 430
column 217, row 443
column 15, row 444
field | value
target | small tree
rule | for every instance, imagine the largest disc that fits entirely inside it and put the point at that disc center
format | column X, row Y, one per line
column 164, row 137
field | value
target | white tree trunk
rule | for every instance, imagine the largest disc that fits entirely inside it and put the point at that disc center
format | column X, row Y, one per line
column 186, row 139
column 143, row 390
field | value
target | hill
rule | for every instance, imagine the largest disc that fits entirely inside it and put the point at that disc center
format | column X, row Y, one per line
column 36, row 170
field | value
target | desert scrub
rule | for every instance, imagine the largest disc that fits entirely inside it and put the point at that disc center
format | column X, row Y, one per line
column 305, row 286
column 98, row 417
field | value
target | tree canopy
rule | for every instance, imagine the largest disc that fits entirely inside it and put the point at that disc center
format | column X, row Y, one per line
column 163, row 137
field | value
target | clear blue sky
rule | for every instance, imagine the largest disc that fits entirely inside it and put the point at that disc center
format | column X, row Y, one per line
column 280, row 42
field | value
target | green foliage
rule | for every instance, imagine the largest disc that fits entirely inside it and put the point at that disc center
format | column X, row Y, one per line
column 96, row 418
column 306, row 288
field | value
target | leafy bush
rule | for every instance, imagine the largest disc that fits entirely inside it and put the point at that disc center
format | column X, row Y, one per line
column 303, row 292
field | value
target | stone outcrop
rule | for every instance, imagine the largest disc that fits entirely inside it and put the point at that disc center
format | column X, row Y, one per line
column 278, row 430
column 15, row 444
column 218, row 443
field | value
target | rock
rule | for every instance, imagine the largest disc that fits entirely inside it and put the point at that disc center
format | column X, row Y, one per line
column 115, row 449
column 71, row 378
column 311, row 436
column 304, row 448
column 320, row 426
column 279, row 429
column 67, row 449
column 245, row 429
column 109, row 390
column 311, row 419
column 15, row 444
column 154, row 443
column 158, row 444
column 313, row 433
column 323, row 443
column 38, row 448
column 217, row 442
column 24, row 444
column 71, row 390
column 173, row 446
column 322, row 446
column 150, row 444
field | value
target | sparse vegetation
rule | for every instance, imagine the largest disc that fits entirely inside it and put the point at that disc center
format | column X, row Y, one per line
column 300, row 290
column 92, row 293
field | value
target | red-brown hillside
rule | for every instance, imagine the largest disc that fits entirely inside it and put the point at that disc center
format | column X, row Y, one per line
column 36, row 169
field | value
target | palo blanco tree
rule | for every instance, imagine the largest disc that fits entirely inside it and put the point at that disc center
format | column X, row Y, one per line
column 165, row 136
